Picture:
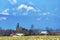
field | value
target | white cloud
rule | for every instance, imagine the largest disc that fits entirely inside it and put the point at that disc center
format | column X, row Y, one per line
column 46, row 13
column 31, row 3
column 3, row 18
column 38, row 19
column 5, row 12
column 24, row 13
column 28, row 8
column 13, row 1
column 38, row 10
column 14, row 14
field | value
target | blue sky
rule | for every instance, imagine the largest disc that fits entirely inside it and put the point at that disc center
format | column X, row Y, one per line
column 41, row 13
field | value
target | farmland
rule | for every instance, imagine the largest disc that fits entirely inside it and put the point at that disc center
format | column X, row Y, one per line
column 30, row 38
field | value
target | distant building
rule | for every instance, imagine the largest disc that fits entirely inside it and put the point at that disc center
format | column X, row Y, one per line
column 43, row 32
column 19, row 34
column 18, row 28
column 21, row 30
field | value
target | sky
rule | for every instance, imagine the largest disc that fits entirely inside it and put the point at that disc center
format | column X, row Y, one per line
column 40, row 13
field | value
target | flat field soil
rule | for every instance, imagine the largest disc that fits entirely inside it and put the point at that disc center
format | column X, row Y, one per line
column 30, row 38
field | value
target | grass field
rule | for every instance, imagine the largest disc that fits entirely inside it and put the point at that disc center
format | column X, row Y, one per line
column 30, row 38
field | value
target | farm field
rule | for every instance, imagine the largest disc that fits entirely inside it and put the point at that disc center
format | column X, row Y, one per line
column 30, row 38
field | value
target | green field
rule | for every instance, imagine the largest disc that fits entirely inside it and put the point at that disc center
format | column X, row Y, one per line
column 30, row 38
